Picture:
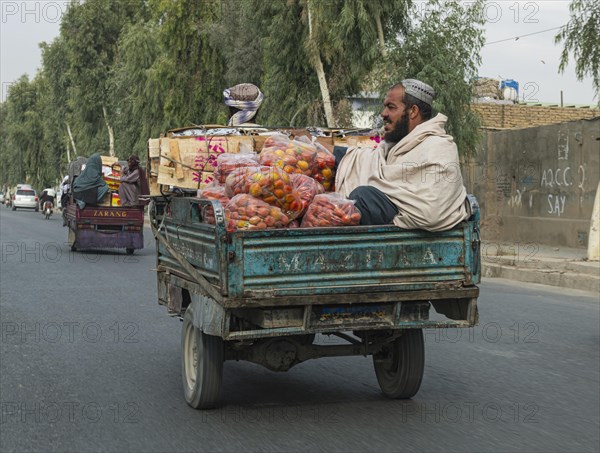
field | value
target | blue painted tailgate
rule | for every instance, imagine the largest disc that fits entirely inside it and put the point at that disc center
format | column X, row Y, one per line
column 271, row 263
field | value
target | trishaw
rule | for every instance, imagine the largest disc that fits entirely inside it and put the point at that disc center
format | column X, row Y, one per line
column 105, row 226
column 261, row 296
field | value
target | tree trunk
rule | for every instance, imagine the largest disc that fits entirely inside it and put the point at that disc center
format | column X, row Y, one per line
column 111, row 135
column 380, row 35
column 68, row 153
column 320, row 73
column 72, row 141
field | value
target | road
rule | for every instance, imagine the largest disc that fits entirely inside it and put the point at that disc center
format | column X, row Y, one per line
column 90, row 362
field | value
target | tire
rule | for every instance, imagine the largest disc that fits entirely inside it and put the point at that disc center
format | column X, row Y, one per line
column 37, row 209
column 399, row 366
column 14, row 208
column 201, row 365
column 129, row 251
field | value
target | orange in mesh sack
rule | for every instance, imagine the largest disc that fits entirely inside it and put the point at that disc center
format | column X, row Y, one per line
column 228, row 162
column 270, row 184
column 299, row 156
column 236, row 183
column 307, row 188
column 331, row 210
column 244, row 212
column 214, row 191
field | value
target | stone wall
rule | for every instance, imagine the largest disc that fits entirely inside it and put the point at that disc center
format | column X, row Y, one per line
column 537, row 184
column 506, row 116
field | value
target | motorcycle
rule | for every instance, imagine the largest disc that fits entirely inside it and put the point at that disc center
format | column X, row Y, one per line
column 47, row 209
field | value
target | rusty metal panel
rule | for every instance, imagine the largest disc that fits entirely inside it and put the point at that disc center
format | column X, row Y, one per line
column 291, row 263
column 344, row 260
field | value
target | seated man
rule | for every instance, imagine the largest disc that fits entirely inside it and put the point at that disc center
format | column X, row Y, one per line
column 243, row 101
column 133, row 183
column 413, row 178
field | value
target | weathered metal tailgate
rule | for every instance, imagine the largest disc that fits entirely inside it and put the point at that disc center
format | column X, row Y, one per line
column 300, row 263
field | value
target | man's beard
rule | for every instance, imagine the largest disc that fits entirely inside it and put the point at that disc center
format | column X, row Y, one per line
column 399, row 131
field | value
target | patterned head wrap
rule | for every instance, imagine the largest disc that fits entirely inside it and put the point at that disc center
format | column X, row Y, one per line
column 419, row 90
column 245, row 97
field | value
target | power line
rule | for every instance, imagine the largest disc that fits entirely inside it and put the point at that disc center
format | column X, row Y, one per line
column 516, row 38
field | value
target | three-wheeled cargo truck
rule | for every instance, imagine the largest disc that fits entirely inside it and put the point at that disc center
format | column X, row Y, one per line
column 100, row 227
column 262, row 296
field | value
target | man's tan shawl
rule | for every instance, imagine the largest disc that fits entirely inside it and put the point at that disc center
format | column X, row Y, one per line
column 420, row 175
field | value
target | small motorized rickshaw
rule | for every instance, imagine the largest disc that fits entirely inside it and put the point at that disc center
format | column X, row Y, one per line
column 107, row 225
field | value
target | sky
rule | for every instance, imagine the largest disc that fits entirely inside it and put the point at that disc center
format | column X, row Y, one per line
column 531, row 60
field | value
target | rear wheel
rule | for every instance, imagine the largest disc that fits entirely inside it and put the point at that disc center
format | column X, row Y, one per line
column 201, row 365
column 399, row 366
column 14, row 208
column 129, row 251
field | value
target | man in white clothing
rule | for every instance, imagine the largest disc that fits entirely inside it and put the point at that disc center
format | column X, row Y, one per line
column 413, row 178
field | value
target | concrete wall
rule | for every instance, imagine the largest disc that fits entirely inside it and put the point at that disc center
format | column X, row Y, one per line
column 506, row 116
column 537, row 184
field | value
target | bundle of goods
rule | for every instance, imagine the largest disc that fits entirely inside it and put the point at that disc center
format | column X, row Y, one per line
column 307, row 188
column 214, row 191
column 331, row 210
column 269, row 184
column 244, row 212
column 228, row 162
column 298, row 156
column 486, row 88
column 111, row 172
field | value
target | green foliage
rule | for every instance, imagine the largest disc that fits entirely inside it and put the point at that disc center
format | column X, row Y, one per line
column 581, row 37
column 153, row 65
column 442, row 49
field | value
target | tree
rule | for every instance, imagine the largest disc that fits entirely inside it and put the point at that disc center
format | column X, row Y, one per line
column 442, row 49
column 581, row 37
column 189, row 72
column 90, row 32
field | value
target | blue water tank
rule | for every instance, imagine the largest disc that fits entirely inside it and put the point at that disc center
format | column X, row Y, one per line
column 510, row 89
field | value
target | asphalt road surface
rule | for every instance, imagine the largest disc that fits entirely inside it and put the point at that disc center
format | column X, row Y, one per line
column 90, row 362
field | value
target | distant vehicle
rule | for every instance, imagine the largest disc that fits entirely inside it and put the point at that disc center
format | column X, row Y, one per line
column 25, row 198
column 47, row 209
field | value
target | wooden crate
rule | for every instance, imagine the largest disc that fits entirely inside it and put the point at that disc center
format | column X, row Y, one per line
column 188, row 162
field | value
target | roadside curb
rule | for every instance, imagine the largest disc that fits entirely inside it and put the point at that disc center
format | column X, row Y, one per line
column 553, row 276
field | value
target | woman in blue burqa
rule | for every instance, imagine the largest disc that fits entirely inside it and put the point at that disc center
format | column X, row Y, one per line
column 89, row 187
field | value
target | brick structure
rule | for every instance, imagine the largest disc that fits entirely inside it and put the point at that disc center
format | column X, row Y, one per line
column 516, row 116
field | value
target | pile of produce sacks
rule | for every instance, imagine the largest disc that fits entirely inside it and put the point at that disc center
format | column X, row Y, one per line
column 289, row 185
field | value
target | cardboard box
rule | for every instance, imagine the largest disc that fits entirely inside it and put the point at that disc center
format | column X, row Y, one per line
column 115, row 200
column 109, row 160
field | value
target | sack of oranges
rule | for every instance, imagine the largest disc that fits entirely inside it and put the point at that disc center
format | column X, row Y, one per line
column 214, row 191
column 245, row 212
column 228, row 162
column 331, row 210
column 299, row 156
column 307, row 188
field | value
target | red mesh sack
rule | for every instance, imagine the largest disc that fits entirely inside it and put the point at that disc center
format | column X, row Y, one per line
column 299, row 156
column 227, row 162
column 236, row 182
column 307, row 188
column 244, row 212
column 323, row 168
column 331, row 210
column 272, row 185
column 214, row 191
